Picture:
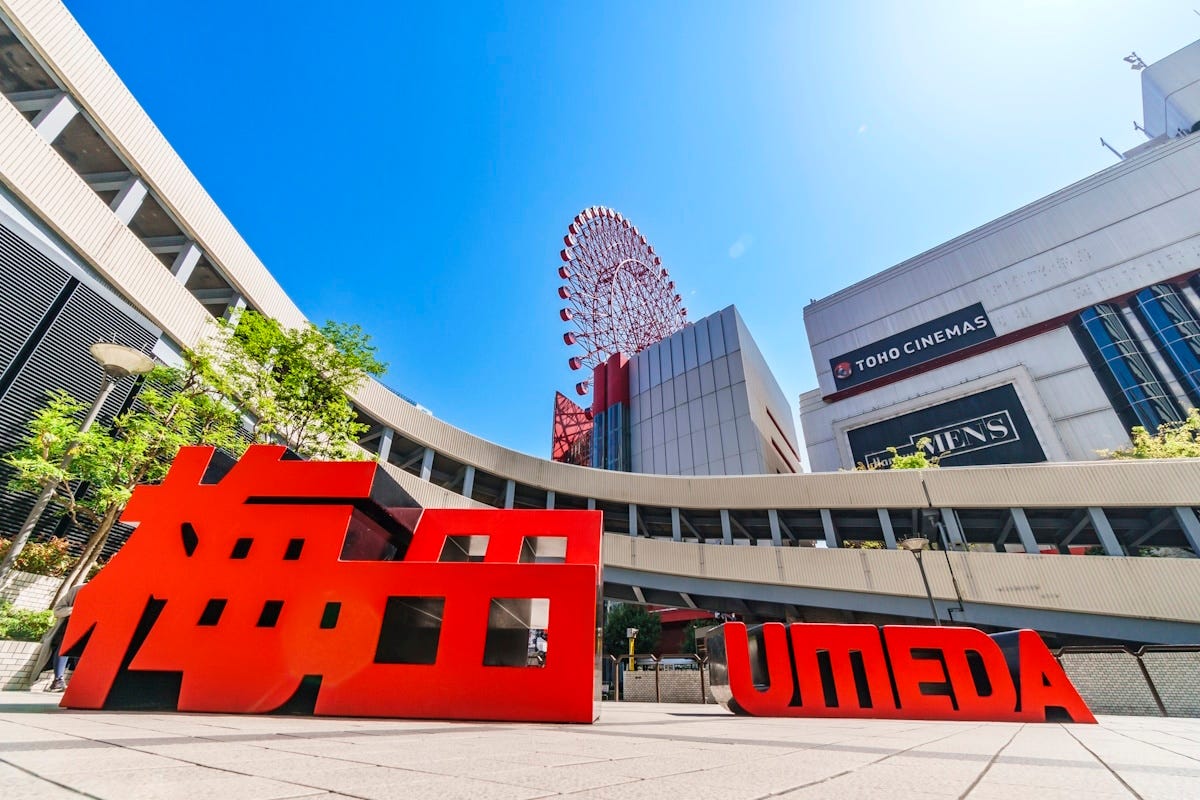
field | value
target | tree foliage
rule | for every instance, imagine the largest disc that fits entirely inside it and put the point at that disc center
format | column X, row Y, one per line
column 918, row 459
column 1171, row 440
column 294, row 383
column 626, row 615
column 291, row 385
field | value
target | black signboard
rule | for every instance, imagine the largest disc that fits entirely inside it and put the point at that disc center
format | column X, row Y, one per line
column 985, row 428
column 948, row 333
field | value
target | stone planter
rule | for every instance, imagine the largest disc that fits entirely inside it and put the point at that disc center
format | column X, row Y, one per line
column 30, row 592
column 16, row 664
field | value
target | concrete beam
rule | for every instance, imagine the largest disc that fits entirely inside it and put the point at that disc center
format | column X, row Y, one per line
column 54, row 117
column 165, row 244
column 35, row 100
column 127, row 202
column 385, row 444
column 468, row 486
column 1024, row 530
column 773, row 521
column 1108, row 539
column 885, row 524
column 831, row 537
column 107, row 181
column 185, row 262
column 1190, row 525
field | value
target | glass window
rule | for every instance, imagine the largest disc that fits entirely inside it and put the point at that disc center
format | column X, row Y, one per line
column 1133, row 386
column 1173, row 325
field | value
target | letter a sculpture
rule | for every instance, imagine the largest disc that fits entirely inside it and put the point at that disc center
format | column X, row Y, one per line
column 320, row 588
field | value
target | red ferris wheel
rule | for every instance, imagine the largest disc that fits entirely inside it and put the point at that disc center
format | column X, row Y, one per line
column 620, row 297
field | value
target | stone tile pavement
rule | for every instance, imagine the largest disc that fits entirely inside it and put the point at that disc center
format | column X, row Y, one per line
column 635, row 752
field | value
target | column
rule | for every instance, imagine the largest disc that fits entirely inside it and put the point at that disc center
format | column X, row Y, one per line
column 1024, row 530
column 52, row 120
column 885, row 523
column 385, row 445
column 1108, row 539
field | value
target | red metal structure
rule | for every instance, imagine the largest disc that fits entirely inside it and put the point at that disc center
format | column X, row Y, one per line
column 571, row 442
column 316, row 587
column 620, row 297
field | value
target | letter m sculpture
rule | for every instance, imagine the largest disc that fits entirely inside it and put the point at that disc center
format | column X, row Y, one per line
column 320, row 588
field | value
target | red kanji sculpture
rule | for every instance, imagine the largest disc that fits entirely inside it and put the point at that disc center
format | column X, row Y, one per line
column 318, row 587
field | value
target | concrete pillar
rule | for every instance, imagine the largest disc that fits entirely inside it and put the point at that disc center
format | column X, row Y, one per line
column 726, row 528
column 185, row 262
column 234, row 311
column 676, row 529
column 127, row 202
column 633, row 530
column 1024, row 530
column 385, row 445
column 1190, row 525
column 831, row 539
column 510, row 492
column 954, row 533
column 885, row 524
column 427, row 464
column 550, row 501
column 52, row 120
column 776, row 532
column 1108, row 539
column 468, row 482
column 591, row 504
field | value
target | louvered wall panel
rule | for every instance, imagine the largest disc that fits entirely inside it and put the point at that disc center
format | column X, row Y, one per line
column 58, row 361
column 27, row 289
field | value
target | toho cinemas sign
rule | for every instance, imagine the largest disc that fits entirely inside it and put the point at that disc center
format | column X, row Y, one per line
column 932, row 339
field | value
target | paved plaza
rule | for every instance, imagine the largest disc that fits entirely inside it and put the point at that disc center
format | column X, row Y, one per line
column 635, row 752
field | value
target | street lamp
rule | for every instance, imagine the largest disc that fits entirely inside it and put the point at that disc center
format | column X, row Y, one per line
column 117, row 361
column 916, row 545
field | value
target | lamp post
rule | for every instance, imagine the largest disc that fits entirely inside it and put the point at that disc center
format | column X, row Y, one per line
column 117, row 361
column 916, row 545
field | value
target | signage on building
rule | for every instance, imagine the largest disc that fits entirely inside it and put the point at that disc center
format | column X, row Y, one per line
column 897, row 672
column 318, row 588
column 946, row 334
column 989, row 427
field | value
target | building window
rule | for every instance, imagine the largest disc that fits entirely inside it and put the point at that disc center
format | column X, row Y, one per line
column 1133, row 386
column 1176, row 331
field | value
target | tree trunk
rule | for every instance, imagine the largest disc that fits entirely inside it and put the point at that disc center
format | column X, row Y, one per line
column 90, row 553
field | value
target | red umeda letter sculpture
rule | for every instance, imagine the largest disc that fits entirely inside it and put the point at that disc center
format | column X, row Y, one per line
column 928, row 673
column 319, row 587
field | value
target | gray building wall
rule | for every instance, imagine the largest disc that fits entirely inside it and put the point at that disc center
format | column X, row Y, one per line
column 702, row 402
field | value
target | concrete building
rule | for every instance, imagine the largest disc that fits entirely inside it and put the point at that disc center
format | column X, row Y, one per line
column 1044, row 335
column 105, row 229
column 704, row 402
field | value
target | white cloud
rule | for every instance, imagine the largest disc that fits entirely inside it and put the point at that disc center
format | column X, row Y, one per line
column 743, row 243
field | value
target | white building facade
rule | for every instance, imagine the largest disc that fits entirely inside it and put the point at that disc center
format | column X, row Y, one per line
column 1044, row 335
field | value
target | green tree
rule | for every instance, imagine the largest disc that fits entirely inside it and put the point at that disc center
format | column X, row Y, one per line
column 291, row 384
column 918, row 459
column 295, row 382
column 1172, row 440
column 175, row 407
column 626, row 615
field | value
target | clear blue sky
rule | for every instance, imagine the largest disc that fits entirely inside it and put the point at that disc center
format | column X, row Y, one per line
column 412, row 167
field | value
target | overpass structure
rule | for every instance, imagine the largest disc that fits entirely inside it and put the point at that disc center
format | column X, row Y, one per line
column 89, row 182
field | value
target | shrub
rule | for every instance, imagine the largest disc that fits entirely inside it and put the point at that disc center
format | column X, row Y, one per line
column 51, row 557
column 24, row 626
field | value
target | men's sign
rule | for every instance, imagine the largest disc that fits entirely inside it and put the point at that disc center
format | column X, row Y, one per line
column 940, row 336
column 910, row 672
column 988, row 427
column 318, row 587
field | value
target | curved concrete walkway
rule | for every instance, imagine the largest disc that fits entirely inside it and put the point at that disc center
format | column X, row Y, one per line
column 635, row 752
